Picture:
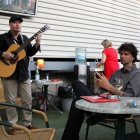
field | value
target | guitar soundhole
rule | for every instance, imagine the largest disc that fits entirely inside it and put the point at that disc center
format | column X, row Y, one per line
column 13, row 61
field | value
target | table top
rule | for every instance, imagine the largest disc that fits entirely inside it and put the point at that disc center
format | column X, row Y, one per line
column 110, row 107
column 44, row 82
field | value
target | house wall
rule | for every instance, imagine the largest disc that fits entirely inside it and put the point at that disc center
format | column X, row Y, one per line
column 81, row 23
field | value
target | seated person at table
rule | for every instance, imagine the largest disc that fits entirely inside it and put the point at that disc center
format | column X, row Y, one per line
column 131, row 88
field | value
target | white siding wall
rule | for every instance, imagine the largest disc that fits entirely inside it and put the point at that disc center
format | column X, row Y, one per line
column 82, row 23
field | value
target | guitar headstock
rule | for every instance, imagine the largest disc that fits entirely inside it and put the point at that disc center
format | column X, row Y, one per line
column 44, row 28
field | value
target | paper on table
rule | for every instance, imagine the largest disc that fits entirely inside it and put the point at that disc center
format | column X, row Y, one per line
column 97, row 99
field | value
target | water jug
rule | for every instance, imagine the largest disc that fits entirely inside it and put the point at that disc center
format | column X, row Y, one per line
column 80, row 57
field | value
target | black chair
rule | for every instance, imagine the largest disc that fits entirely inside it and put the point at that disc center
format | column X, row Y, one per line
column 107, row 121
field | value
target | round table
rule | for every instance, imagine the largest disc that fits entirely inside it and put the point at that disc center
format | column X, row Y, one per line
column 45, row 84
column 118, row 108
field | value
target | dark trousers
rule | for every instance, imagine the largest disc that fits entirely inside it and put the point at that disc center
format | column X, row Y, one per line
column 76, row 116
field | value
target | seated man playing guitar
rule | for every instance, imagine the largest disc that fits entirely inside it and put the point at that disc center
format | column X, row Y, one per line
column 14, row 61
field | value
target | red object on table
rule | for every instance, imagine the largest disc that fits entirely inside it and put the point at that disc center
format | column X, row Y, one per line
column 97, row 99
column 55, row 80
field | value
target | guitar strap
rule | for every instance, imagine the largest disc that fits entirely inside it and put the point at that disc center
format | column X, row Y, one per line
column 22, row 40
column 21, row 37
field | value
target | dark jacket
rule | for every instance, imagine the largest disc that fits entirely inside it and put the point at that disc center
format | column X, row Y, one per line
column 21, row 73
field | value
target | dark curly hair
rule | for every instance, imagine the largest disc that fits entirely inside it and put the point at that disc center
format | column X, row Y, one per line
column 131, row 48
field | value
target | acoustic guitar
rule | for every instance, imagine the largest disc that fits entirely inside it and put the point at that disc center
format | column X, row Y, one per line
column 7, row 67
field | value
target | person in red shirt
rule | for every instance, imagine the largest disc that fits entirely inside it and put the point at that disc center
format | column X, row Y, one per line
column 109, row 59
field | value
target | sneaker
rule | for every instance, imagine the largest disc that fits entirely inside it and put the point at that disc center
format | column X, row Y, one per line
column 12, row 131
column 31, row 127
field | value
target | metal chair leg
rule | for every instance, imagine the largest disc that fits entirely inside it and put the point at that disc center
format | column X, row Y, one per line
column 115, row 125
column 87, row 132
column 134, row 122
column 135, row 125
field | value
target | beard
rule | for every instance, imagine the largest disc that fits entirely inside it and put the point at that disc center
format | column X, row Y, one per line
column 126, row 62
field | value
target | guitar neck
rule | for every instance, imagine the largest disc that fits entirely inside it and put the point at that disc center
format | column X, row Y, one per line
column 44, row 28
column 25, row 44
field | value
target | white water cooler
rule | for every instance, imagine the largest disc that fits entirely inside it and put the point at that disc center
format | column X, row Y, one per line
column 82, row 73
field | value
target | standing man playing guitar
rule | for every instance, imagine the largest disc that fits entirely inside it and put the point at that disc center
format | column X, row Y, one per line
column 18, row 82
